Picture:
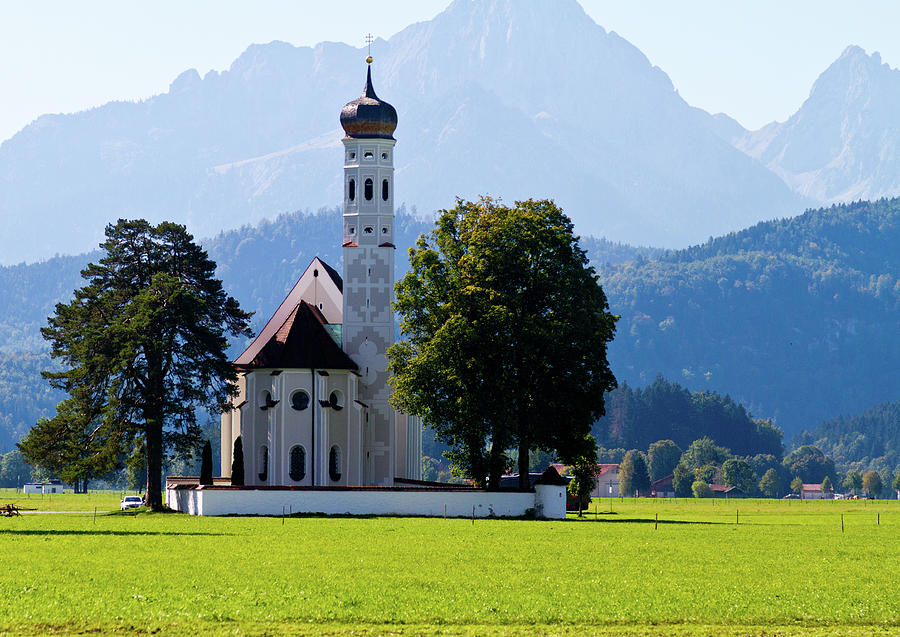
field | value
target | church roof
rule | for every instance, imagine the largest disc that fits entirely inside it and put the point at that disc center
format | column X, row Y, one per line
column 332, row 274
column 300, row 342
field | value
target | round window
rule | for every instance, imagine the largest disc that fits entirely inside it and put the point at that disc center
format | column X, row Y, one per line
column 300, row 400
column 336, row 401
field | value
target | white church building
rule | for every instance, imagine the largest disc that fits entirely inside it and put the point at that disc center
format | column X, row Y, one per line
column 313, row 411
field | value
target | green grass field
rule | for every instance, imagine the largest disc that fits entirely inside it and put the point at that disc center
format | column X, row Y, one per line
column 785, row 568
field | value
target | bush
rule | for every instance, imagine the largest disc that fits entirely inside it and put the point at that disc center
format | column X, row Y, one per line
column 701, row 489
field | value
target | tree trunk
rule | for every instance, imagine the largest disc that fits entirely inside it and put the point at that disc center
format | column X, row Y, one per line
column 524, row 482
column 153, row 433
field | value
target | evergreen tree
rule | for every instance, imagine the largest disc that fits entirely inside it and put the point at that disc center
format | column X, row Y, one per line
column 206, row 464
column 237, row 463
column 143, row 345
column 826, row 486
column 634, row 479
column 797, row 485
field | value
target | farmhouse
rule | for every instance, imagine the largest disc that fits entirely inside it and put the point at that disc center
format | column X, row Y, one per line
column 814, row 492
column 312, row 419
column 607, row 481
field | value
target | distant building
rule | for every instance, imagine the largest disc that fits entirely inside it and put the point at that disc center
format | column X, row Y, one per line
column 607, row 479
column 814, row 492
column 51, row 486
column 663, row 488
column 726, row 492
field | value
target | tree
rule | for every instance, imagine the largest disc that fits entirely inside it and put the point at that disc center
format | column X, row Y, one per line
column 701, row 489
column 506, row 329
column 737, row 473
column 797, row 485
column 583, row 481
column 826, row 486
column 237, row 463
column 770, row 484
column 682, row 480
column 663, row 456
column 896, row 483
column 14, row 471
column 704, row 451
column 872, row 484
column 810, row 464
column 633, row 475
column 206, row 469
column 707, row 473
column 143, row 345
column 853, row 482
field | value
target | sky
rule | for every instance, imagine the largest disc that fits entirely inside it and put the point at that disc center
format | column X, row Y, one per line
column 755, row 60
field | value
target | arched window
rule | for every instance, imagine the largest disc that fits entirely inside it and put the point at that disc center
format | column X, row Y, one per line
column 334, row 463
column 299, row 400
column 352, row 190
column 336, row 400
column 265, row 400
column 384, row 189
column 298, row 463
column 384, row 155
column 263, row 463
column 369, row 187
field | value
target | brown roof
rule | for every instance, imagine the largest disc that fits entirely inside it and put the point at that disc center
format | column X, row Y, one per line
column 300, row 342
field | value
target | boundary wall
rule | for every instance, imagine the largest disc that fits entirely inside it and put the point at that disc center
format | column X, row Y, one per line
column 545, row 502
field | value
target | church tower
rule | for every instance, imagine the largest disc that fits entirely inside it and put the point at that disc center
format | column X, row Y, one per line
column 368, row 282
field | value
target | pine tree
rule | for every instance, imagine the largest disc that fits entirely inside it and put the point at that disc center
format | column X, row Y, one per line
column 237, row 463
column 143, row 345
column 206, row 470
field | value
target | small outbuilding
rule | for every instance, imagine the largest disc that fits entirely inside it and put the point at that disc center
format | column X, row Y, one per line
column 51, row 486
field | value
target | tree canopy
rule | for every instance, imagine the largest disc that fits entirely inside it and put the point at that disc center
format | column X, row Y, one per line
column 142, row 346
column 505, row 330
column 633, row 475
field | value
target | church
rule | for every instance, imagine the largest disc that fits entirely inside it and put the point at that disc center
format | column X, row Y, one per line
column 313, row 413
column 313, row 407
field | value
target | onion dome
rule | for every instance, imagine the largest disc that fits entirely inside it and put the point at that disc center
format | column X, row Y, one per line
column 368, row 116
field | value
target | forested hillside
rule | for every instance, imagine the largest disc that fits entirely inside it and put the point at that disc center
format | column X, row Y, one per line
column 258, row 265
column 796, row 319
column 869, row 440
column 637, row 417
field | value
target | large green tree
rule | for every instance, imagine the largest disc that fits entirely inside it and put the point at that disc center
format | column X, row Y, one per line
column 143, row 348
column 737, row 473
column 663, row 456
column 505, row 332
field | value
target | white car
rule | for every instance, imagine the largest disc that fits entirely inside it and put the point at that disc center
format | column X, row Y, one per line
column 131, row 502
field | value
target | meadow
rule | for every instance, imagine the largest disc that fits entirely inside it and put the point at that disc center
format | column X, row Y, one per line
column 706, row 567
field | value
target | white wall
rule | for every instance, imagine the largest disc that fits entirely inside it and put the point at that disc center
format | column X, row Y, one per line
column 412, row 502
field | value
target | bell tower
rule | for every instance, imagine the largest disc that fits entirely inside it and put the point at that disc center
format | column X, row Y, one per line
column 368, row 250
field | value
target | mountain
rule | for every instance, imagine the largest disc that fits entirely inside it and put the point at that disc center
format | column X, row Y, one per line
column 843, row 144
column 796, row 319
column 513, row 99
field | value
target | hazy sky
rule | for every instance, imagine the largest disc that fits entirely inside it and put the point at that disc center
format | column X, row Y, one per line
column 753, row 59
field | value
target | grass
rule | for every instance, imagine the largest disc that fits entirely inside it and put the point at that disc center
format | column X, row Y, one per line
column 102, row 500
column 786, row 568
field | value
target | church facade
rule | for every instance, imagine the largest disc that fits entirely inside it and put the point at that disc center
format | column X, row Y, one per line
column 313, row 407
